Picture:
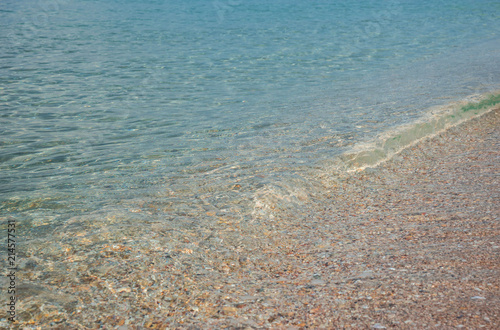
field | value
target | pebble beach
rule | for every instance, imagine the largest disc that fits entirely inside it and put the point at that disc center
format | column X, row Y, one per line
column 236, row 164
column 410, row 244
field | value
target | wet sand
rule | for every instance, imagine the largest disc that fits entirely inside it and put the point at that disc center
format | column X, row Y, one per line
column 411, row 244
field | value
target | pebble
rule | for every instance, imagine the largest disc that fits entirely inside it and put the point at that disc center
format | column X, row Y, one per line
column 317, row 282
column 229, row 310
column 248, row 298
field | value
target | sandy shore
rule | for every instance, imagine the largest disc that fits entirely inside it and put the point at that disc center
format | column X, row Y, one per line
column 411, row 244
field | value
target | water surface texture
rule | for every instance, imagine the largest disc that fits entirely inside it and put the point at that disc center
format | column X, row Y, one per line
column 202, row 107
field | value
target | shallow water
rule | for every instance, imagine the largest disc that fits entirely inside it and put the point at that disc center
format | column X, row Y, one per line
column 180, row 111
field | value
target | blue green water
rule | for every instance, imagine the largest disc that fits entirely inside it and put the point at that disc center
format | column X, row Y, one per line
column 203, row 106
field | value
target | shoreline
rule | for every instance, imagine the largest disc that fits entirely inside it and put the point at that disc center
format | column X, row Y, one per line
column 434, row 121
column 412, row 243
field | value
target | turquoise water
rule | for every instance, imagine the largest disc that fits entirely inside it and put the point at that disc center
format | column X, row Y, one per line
column 203, row 107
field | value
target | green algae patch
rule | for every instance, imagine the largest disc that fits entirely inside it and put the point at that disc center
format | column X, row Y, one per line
column 489, row 102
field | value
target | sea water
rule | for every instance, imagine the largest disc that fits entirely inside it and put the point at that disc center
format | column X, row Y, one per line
column 182, row 110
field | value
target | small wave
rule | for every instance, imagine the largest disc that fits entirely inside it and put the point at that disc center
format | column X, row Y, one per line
column 435, row 121
column 274, row 199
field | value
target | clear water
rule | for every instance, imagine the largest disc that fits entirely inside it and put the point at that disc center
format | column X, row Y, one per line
column 202, row 107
